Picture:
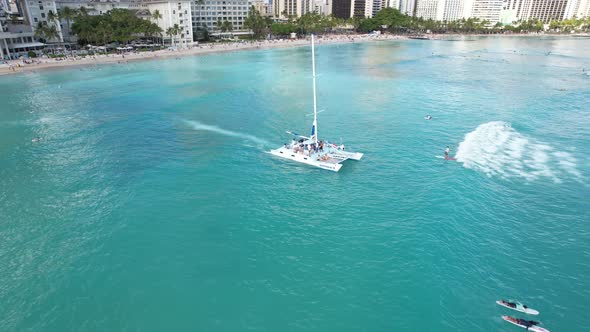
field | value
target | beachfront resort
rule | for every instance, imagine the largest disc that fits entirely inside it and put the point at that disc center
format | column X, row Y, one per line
column 51, row 32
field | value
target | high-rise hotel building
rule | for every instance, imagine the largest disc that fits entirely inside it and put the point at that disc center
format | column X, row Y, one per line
column 207, row 13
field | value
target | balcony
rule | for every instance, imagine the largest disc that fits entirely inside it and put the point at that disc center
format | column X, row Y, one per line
column 18, row 28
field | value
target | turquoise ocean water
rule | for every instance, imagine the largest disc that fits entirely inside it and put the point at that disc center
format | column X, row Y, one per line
column 151, row 205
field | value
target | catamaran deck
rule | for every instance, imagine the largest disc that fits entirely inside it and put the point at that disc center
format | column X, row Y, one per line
column 330, row 158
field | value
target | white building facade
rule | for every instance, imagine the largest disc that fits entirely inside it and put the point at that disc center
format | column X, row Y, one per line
column 261, row 6
column 488, row 10
column 494, row 11
column 429, row 9
column 294, row 8
column 17, row 35
column 173, row 12
column 16, row 40
column 207, row 13
column 452, row 10
column 39, row 11
column 407, row 7
column 544, row 10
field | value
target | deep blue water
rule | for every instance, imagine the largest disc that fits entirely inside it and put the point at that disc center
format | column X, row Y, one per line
column 150, row 204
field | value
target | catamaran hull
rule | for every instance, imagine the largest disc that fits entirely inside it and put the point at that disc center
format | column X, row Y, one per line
column 332, row 162
column 304, row 159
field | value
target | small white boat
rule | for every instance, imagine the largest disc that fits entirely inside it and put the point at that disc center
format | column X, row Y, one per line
column 525, row 324
column 309, row 149
column 514, row 305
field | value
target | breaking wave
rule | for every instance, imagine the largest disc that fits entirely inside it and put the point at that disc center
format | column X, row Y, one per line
column 204, row 127
column 497, row 149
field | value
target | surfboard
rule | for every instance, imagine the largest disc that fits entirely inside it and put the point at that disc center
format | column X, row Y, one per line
column 534, row 328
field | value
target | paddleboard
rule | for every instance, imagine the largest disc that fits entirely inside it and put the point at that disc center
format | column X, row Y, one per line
column 519, row 308
column 445, row 158
column 533, row 328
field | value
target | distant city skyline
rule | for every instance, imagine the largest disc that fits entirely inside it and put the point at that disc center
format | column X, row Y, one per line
column 504, row 11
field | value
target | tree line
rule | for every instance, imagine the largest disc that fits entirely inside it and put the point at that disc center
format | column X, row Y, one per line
column 117, row 25
column 578, row 24
column 392, row 20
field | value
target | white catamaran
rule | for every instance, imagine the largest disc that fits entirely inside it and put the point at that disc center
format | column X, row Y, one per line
column 310, row 150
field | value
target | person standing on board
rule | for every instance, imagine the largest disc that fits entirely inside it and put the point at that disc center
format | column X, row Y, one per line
column 447, row 151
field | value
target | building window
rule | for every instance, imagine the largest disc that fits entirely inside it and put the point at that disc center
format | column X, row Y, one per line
column 41, row 7
column 42, row 15
column 173, row 11
column 36, row 20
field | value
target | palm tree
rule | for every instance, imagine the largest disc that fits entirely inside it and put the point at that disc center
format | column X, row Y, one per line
column 53, row 18
column 68, row 14
column 226, row 26
column 82, row 11
column 151, row 29
column 40, row 31
column 156, row 15
column 176, row 29
column 171, row 32
column 45, row 32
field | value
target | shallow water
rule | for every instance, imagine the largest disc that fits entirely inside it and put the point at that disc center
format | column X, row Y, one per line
column 150, row 203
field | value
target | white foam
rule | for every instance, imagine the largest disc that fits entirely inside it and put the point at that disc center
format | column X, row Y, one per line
column 201, row 126
column 497, row 149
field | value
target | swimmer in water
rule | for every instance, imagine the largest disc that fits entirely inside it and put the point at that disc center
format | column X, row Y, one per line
column 36, row 139
column 428, row 117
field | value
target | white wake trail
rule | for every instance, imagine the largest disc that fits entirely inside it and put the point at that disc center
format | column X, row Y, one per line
column 204, row 127
column 497, row 149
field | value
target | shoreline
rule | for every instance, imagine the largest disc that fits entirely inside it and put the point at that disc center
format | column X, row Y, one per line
column 16, row 67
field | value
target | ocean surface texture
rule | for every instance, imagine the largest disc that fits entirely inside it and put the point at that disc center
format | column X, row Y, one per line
column 151, row 203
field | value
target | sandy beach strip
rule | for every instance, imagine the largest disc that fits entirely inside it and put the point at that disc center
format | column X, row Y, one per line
column 39, row 64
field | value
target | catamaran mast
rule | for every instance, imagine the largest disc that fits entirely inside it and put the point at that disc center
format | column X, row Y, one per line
column 315, row 113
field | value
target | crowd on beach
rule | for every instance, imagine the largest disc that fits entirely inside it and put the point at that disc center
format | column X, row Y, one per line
column 72, row 59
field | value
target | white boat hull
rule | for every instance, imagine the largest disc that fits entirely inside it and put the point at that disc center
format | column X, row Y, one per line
column 329, row 160
column 526, row 311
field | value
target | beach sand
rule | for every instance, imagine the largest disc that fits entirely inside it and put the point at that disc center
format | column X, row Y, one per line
column 38, row 64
